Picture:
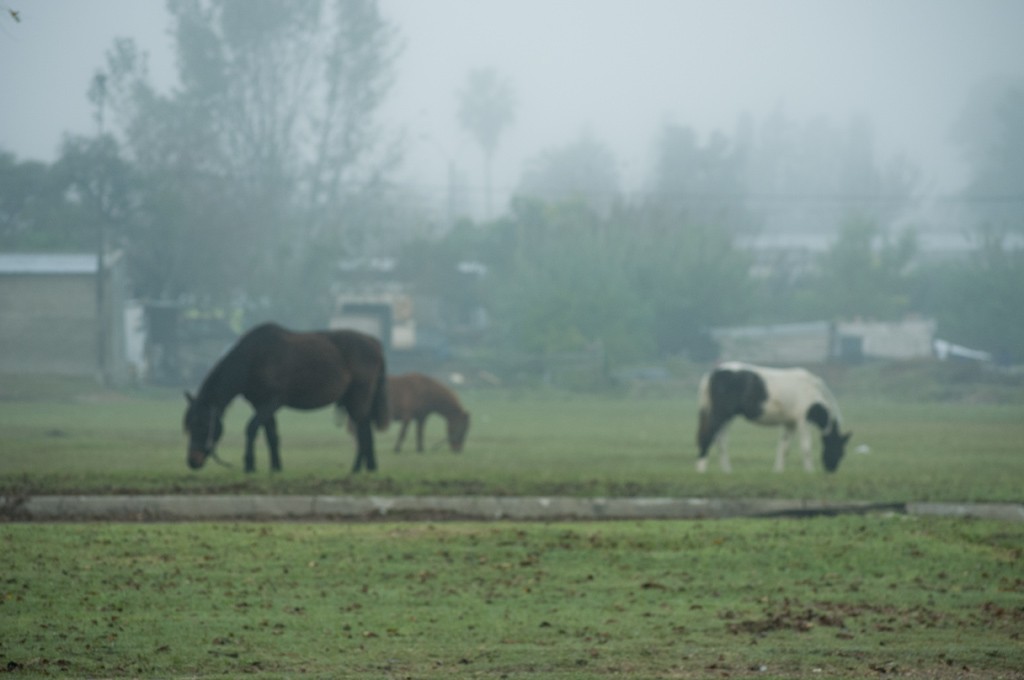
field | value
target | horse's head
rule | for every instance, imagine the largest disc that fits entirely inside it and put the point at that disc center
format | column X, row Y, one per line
column 458, row 426
column 204, row 428
column 833, row 447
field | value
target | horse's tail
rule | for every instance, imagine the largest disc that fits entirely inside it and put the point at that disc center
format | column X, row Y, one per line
column 380, row 410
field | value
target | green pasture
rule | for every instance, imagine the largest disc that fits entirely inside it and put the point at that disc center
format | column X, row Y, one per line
column 841, row 597
column 945, row 438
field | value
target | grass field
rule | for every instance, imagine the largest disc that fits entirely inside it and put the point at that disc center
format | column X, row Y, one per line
column 840, row 597
column 827, row 597
column 929, row 439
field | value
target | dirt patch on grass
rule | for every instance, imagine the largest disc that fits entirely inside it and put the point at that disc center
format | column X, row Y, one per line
column 851, row 619
column 847, row 618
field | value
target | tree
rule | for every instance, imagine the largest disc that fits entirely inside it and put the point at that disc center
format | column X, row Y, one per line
column 865, row 274
column 35, row 211
column 977, row 302
column 583, row 171
column 250, row 166
column 645, row 278
column 65, row 205
column 990, row 133
column 692, row 275
column 98, row 178
column 812, row 176
column 487, row 107
column 564, row 283
column 435, row 268
column 698, row 184
column 684, row 240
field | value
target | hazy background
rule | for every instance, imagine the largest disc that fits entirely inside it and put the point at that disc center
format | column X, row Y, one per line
column 613, row 69
column 680, row 168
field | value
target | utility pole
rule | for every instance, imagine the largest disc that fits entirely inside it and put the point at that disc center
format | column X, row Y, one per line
column 100, row 90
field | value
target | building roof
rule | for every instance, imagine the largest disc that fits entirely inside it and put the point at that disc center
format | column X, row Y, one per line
column 48, row 263
column 928, row 243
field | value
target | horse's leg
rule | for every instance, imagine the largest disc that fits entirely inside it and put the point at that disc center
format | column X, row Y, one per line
column 250, row 441
column 710, row 426
column 401, row 436
column 358, row 401
column 723, row 450
column 358, row 464
column 711, row 433
column 785, row 436
column 365, row 454
column 273, row 442
column 419, row 433
column 804, row 435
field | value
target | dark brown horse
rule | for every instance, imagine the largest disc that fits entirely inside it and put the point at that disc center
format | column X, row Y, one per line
column 415, row 396
column 273, row 367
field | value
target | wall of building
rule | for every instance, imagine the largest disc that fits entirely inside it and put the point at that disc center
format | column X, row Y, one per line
column 49, row 322
column 776, row 345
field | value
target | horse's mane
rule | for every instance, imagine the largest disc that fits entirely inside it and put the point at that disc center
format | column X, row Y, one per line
column 224, row 381
column 214, row 384
column 452, row 405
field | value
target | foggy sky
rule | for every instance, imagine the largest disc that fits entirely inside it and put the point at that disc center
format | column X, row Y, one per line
column 614, row 69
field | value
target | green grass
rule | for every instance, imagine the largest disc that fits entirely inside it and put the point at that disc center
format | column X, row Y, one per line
column 525, row 443
column 825, row 597
column 855, row 596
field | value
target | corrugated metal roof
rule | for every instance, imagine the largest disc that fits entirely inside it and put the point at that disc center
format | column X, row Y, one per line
column 47, row 263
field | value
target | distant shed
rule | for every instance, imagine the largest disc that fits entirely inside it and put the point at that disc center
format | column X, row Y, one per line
column 51, row 319
column 777, row 344
column 821, row 341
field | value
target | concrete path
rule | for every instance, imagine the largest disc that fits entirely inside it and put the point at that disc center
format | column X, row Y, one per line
column 362, row 508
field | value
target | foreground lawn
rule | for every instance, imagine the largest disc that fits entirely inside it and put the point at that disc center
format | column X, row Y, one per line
column 825, row 597
column 521, row 443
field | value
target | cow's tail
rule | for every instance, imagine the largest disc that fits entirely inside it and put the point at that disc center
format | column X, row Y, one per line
column 380, row 410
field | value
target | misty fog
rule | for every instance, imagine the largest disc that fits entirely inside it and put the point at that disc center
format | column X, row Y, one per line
column 833, row 151
column 614, row 70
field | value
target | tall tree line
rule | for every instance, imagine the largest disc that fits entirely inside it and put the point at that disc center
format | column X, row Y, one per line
column 265, row 164
column 243, row 186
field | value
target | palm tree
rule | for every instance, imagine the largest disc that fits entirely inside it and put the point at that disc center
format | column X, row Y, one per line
column 487, row 108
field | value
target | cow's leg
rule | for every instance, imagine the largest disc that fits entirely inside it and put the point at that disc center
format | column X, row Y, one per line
column 273, row 442
column 785, row 437
column 804, row 435
column 401, row 436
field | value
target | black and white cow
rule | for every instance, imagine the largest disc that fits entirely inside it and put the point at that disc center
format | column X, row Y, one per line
column 791, row 397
